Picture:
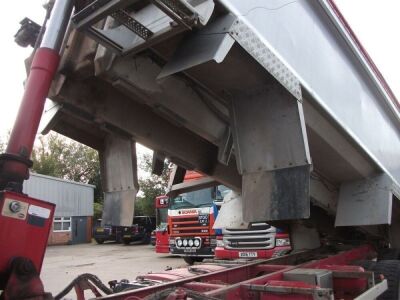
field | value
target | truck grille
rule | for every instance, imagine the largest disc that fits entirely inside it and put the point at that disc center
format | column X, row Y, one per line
column 258, row 236
column 188, row 226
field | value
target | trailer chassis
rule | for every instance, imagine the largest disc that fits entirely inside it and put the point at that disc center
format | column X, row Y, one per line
column 269, row 279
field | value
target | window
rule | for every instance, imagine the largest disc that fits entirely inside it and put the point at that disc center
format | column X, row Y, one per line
column 62, row 224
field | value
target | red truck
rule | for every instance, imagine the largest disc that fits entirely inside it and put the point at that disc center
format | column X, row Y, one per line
column 258, row 240
column 160, row 234
column 191, row 218
column 255, row 91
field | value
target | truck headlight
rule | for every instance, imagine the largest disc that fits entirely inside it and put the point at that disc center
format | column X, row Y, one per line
column 282, row 242
column 179, row 243
column 185, row 242
column 220, row 243
column 190, row 243
column 197, row 243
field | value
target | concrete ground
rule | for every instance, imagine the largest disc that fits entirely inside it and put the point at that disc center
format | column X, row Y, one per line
column 108, row 261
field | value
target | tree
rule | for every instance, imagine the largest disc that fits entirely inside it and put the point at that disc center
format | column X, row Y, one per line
column 2, row 146
column 60, row 157
column 151, row 186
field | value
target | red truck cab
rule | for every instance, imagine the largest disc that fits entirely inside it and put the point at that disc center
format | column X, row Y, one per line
column 161, row 235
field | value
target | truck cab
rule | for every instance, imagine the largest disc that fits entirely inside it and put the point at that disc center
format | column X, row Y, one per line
column 259, row 240
column 160, row 236
column 191, row 218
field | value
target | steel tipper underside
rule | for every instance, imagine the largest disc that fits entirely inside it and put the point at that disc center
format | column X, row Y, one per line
column 318, row 274
column 276, row 99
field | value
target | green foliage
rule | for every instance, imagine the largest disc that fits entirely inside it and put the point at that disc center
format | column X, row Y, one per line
column 2, row 146
column 63, row 158
column 151, row 186
column 97, row 210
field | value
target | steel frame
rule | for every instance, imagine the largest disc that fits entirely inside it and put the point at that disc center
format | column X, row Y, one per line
column 263, row 279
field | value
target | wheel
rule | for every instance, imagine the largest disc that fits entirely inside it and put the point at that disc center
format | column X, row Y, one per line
column 99, row 241
column 388, row 254
column 126, row 241
column 390, row 269
column 190, row 260
column 146, row 239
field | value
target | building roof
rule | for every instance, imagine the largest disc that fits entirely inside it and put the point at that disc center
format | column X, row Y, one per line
column 71, row 198
column 60, row 179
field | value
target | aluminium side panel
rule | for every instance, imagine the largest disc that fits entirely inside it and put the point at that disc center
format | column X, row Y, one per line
column 305, row 37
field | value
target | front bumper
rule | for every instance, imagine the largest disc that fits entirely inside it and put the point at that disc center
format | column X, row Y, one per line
column 202, row 252
column 222, row 253
column 103, row 236
column 132, row 237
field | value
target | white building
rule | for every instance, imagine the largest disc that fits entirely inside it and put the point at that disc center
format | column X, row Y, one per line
column 74, row 207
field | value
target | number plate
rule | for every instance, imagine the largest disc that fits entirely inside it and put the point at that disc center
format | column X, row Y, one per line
column 247, row 254
column 189, row 250
column 99, row 230
column 203, row 219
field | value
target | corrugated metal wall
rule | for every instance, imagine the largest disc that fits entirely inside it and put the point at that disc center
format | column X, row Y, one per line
column 71, row 198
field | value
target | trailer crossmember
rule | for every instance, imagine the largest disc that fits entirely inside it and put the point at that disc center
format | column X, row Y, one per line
column 319, row 274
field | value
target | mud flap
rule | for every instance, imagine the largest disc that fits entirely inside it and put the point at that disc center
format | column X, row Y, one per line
column 119, row 179
column 277, row 195
column 371, row 198
column 272, row 154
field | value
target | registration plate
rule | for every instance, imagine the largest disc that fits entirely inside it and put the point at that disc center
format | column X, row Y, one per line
column 99, row 230
column 189, row 250
column 247, row 254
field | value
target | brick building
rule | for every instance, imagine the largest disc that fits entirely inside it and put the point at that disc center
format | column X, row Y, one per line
column 73, row 218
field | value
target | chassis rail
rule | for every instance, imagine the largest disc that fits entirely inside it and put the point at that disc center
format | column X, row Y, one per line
column 333, row 272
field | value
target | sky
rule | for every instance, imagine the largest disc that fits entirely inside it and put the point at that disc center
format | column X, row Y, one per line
column 376, row 23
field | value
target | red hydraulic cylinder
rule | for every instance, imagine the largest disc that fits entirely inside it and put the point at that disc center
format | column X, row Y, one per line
column 25, row 222
column 43, row 68
column 15, row 163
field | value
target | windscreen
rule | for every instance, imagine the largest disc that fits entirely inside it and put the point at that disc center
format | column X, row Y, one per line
column 162, row 215
column 198, row 198
column 222, row 191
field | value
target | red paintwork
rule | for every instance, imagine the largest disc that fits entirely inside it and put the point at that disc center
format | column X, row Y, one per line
column 24, row 282
column 162, row 241
column 182, row 273
column 43, row 68
column 194, row 230
column 19, row 238
column 162, row 237
column 192, row 175
column 352, row 286
column 234, row 280
column 158, row 202
column 222, row 253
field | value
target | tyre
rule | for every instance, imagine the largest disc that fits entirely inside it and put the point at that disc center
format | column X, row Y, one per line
column 126, row 241
column 99, row 241
column 146, row 239
column 388, row 254
column 390, row 269
column 190, row 260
